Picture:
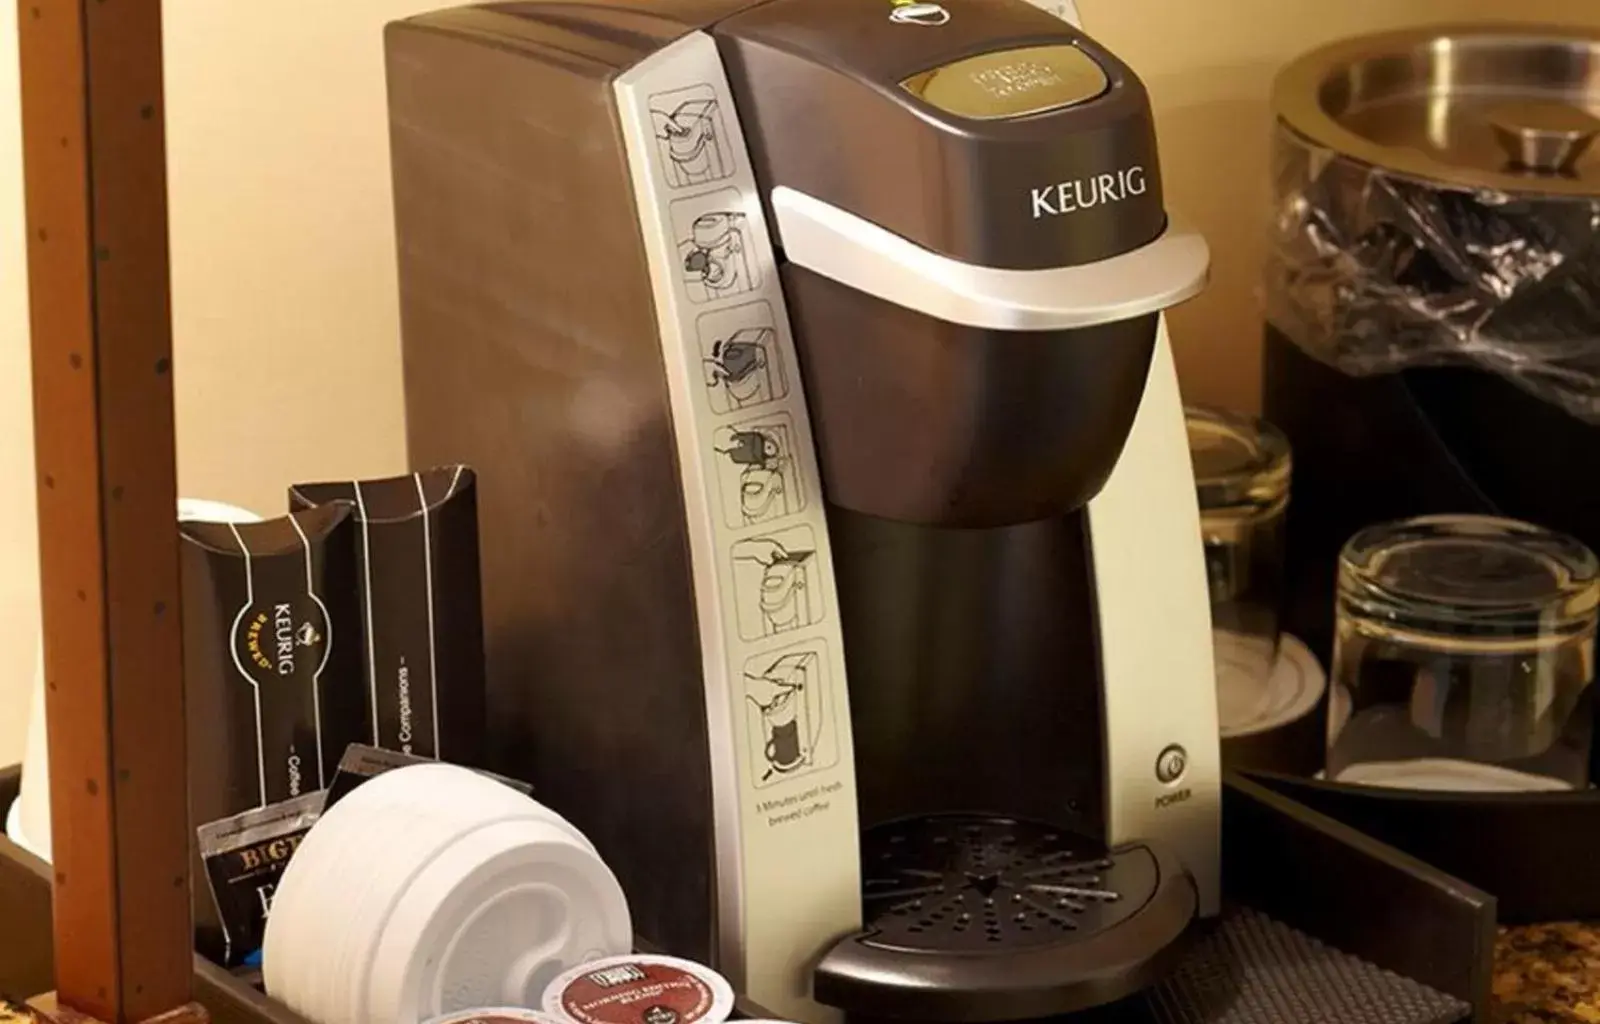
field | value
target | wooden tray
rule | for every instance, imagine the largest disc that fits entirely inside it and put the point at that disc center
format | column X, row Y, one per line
column 1282, row 859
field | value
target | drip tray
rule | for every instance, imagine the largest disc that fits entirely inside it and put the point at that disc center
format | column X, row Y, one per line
column 986, row 885
column 975, row 918
column 980, row 919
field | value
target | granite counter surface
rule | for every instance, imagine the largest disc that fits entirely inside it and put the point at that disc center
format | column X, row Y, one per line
column 1548, row 973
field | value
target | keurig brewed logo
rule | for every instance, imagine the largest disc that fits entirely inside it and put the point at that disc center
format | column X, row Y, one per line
column 278, row 640
column 660, row 1015
column 913, row 12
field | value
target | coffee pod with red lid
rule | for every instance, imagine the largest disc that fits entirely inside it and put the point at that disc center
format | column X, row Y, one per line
column 497, row 1015
column 640, row 989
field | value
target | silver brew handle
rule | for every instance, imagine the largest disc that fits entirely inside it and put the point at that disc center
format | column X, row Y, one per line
column 859, row 254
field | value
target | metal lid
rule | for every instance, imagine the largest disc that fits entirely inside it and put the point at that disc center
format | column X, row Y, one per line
column 1510, row 108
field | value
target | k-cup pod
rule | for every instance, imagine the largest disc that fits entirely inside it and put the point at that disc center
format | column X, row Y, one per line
column 640, row 989
column 28, row 821
column 421, row 608
column 497, row 1015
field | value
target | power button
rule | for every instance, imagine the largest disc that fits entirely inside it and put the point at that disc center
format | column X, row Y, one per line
column 1171, row 764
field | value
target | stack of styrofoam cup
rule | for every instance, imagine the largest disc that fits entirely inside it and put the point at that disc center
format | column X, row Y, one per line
column 432, row 889
column 28, row 821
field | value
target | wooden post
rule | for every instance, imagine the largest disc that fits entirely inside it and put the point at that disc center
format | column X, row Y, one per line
column 94, row 159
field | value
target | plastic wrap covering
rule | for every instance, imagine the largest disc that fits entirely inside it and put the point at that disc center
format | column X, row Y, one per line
column 1372, row 272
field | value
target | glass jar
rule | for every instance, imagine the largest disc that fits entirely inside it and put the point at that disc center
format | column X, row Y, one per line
column 1242, row 470
column 1463, row 657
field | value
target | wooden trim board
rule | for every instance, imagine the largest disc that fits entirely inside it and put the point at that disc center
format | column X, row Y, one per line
column 95, row 190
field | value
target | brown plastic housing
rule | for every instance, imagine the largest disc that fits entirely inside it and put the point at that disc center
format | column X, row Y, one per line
column 817, row 84
column 928, row 422
column 920, row 420
column 531, row 354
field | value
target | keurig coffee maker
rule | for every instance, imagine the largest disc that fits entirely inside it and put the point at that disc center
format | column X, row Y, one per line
column 843, row 577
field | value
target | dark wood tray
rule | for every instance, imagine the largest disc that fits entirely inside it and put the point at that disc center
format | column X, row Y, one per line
column 1282, row 859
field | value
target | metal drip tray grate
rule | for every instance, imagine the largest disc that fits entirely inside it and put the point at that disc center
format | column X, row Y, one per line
column 958, row 883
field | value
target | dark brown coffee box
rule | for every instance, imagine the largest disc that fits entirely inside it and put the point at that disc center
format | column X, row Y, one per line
column 419, row 590
column 272, row 666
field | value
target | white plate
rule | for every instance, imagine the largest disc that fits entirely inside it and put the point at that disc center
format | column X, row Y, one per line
column 1244, row 669
column 1293, row 691
column 1446, row 775
column 492, row 920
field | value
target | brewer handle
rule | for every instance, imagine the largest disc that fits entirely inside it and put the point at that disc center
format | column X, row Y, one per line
column 837, row 244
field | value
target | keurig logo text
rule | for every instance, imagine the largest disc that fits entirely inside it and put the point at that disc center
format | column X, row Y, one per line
column 911, row 12
column 1068, row 197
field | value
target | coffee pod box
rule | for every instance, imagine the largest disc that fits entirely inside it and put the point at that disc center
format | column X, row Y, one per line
column 421, row 608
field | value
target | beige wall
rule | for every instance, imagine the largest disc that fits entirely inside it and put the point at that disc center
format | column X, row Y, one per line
column 18, row 600
column 283, row 279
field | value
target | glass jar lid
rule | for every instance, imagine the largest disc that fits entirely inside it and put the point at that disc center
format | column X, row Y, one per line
column 1239, row 461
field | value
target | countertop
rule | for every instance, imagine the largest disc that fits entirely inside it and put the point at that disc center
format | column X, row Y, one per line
column 1548, row 973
